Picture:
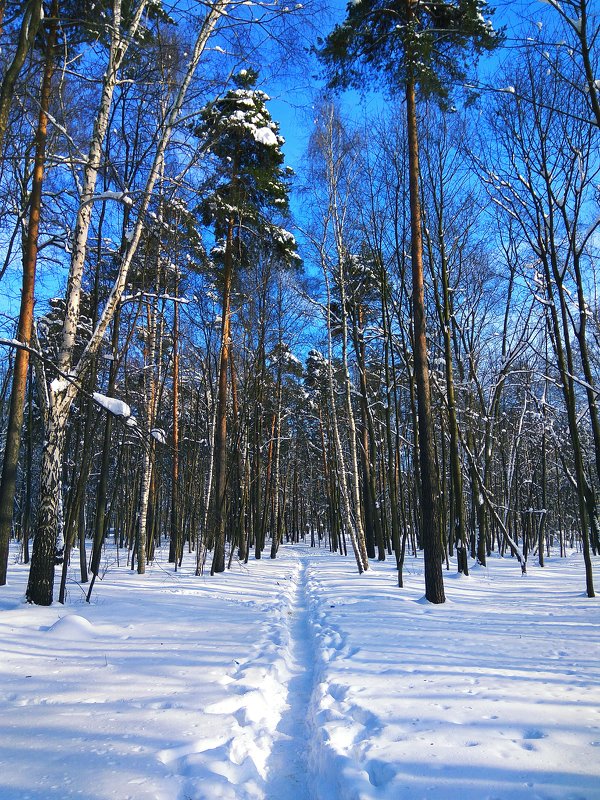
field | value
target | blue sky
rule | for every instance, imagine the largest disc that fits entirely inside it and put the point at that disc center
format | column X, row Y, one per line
column 292, row 101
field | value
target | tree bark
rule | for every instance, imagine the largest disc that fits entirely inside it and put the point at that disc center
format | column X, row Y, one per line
column 17, row 398
column 46, row 547
column 176, row 538
column 432, row 544
column 220, row 503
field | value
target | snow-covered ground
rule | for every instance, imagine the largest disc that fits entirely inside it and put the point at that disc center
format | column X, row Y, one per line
column 296, row 678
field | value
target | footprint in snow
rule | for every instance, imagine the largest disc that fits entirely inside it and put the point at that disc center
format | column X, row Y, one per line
column 338, row 692
column 380, row 773
column 534, row 733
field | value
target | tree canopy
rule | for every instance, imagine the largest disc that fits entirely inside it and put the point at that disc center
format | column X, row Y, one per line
column 431, row 43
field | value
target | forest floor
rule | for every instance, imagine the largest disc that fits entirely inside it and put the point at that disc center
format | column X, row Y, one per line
column 298, row 679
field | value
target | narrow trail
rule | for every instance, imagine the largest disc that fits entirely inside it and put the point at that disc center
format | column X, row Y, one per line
column 288, row 765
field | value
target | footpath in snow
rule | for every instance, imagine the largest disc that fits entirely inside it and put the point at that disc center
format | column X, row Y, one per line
column 298, row 679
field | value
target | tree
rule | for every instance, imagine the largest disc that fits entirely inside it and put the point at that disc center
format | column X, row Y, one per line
column 567, row 39
column 334, row 159
column 52, row 24
column 410, row 44
column 250, row 189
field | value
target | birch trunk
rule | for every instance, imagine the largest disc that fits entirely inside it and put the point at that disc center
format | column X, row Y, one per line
column 276, row 469
column 390, row 381
column 352, row 435
column 46, row 544
column 358, row 547
column 147, row 459
column 118, row 49
column 176, row 532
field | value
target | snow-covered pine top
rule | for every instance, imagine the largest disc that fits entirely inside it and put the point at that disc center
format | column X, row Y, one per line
column 251, row 184
column 317, row 368
column 285, row 359
column 250, row 113
column 240, row 119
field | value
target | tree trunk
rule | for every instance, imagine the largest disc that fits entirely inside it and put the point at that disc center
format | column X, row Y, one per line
column 353, row 527
column 456, row 507
column 276, row 471
column 220, row 503
column 26, row 523
column 46, row 547
column 76, row 504
column 369, row 446
column 150, row 414
column 118, row 48
column 17, row 397
column 102, row 490
column 352, row 435
column 176, row 537
column 391, row 478
column 432, row 544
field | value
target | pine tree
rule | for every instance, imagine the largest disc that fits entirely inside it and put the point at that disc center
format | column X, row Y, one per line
column 250, row 190
column 410, row 44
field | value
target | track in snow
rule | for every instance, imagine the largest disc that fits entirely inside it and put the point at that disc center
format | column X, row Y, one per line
column 288, row 765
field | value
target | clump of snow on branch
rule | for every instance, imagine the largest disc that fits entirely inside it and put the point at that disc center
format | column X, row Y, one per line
column 112, row 405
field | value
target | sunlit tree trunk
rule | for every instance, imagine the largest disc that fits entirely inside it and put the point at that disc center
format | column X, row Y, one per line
column 358, row 544
column 431, row 534
column 276, row 471
column 148, row 451
column 176, row 529
column 220, row 459
column 17, row 397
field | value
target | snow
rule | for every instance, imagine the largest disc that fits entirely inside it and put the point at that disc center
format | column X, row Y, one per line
column 297, row 678
column 265, row 136
column 159, row 435
column 121, row 197
column 112, row 405
column 58, row 385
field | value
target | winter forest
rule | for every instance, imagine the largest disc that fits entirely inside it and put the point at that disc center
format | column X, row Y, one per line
column 293, row 295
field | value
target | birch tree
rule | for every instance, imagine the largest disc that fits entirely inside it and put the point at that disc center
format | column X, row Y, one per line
column 21, row 366
column 334, row 159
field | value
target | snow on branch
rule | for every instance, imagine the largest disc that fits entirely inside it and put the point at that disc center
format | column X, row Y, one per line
column 119, row 197
column 112, row 405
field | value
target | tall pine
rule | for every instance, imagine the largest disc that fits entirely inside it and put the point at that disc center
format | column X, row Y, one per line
column 426, row 46
column 249, row 193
